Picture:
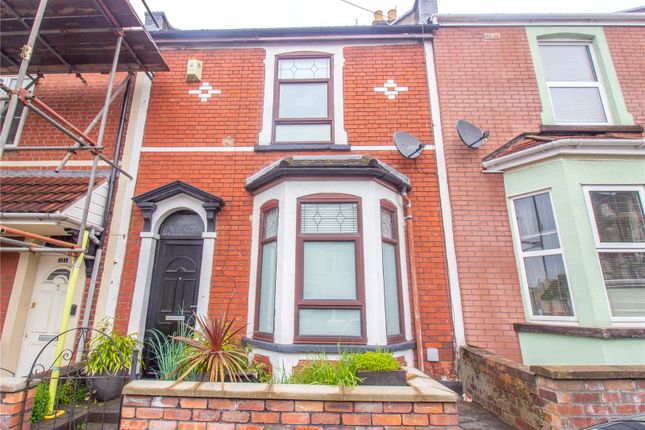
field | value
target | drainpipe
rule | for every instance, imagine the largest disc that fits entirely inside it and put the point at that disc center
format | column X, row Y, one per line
column 409, row 236
column 444, row 197
column 106, row 214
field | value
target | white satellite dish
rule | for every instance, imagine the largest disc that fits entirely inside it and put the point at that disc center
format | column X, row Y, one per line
column 472, row 136
column 409, row 146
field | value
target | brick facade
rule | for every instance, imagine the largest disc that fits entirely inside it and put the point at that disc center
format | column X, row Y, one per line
column 551, row 397
column 12, row 405
column 177, row 119
column 8, row 266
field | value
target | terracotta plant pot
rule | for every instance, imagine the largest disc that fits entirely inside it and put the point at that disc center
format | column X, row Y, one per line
column 382, row 378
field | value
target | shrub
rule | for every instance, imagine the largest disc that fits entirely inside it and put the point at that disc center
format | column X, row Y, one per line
column 111, row 353
column 41, row 398
column 321, row 371
column 72, row 391
column 376, row 361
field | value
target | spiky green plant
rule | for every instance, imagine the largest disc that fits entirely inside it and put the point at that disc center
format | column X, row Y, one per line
column 168, row 352
column 322, row 371
column 214, row 349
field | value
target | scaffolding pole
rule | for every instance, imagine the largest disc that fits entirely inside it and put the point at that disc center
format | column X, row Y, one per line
column 27, row 50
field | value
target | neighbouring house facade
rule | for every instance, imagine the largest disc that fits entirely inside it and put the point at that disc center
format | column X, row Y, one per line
column 36, row 200
column 548, row 214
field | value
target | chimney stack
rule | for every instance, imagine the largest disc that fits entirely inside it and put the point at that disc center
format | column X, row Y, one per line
column 378, row 18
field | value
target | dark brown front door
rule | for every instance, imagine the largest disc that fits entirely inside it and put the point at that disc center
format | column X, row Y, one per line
column 175, row 287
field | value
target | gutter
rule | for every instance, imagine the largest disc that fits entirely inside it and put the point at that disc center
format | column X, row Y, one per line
column 444, row 196
column 533, row 19
column 566, row 147
column 43, row 216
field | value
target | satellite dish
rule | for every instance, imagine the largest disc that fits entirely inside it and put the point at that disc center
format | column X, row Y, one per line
column 472, row 136
column 408, row 145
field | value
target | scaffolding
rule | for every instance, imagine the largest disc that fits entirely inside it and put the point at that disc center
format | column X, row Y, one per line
column 76, row 37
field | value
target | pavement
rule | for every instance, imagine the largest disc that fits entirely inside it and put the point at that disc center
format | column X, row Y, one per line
column 474, row 417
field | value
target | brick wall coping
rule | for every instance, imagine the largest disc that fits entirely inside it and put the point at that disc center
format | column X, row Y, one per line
column 595, row 332
column 590, row 372
column 420, row 389
column 12, row 384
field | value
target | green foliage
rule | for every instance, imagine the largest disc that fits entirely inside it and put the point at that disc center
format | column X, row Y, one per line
column 41, row 397
column 321, row 371
column 71, row 391
column 168, row 351
column 214, row 349
column 111, row 354
column 376, row 361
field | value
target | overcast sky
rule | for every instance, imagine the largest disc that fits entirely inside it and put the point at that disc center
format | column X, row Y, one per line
column 198, row 14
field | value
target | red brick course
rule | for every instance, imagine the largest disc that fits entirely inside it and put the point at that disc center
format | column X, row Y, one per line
column 11, row 408
column 528, row 400
column 279, row 414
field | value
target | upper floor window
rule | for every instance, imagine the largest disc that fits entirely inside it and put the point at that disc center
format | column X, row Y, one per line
column 618, row 219
column 329, row 299
column 541, row 253
column 303, row 102
column 19, row 117
column 574, row 84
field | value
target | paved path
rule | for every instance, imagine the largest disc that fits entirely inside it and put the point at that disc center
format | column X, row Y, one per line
column 474, row 417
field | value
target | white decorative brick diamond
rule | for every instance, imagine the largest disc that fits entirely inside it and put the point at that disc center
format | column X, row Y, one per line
column 390, row 89
column 204, row 92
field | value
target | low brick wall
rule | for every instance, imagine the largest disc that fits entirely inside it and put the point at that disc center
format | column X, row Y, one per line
column 551, row 397
column 12, row 396
column 154, row 405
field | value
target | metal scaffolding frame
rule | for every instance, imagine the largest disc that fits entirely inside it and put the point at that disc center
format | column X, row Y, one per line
column 82, row 141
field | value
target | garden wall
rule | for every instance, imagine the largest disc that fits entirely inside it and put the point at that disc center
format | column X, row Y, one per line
column 551, row 397
column 423, row 404
column 12, row 395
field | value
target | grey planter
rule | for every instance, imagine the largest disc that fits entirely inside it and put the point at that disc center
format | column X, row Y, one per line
column 383, row 378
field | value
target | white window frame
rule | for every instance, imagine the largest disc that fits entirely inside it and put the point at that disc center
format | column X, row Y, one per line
column 606, row 247
column 578, row 84
column 10, row 81
column 523, row 254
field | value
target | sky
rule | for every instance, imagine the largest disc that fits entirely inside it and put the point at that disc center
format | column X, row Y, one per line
column 200, row 14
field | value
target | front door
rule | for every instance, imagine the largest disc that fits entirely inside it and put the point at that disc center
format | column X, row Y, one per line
column 45, row 313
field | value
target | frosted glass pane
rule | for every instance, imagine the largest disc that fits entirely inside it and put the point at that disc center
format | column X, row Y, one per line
column 303, row 133
column 567, row 63
column 267, row 288
column 303, row 68
column 329, row 322
column 303, row 101
column 536, row 223
column 329, row 271
column 182, row 223
column 619, row 216
column 390, row 279
column 270, row 225
column 548, row 286
column 387, row 224
column 329, row 218
column 577, row 105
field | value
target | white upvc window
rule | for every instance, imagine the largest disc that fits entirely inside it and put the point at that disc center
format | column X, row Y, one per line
column 618, row 222
column 20, row 115
column 543, row 270
column 575, row 86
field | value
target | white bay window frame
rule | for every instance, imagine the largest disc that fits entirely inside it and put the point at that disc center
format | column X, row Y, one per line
column 521, row 255
column 617, row 247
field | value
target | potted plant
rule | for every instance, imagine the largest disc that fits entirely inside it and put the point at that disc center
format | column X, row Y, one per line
column 109, row 360
column 379, row 368
column 214, row 350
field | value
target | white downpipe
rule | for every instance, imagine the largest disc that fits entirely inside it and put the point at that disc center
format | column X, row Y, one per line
column 134, row 142
column 444, row 195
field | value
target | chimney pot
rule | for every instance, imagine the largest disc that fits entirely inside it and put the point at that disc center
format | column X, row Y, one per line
column 391, row 15
column 378, row 18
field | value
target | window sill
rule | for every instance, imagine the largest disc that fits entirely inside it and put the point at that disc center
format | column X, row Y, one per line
column 593, row 332
column 278, row 147
column 327, row 348
column 589, row 129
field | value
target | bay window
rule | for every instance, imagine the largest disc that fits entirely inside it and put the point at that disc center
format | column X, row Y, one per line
column 543, row 264
column 329, row 299
column 391, row 272
column 265, row 298
column 618, row 220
